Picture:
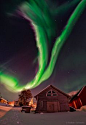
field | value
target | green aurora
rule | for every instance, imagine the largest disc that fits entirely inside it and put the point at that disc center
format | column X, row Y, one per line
column 41, row 18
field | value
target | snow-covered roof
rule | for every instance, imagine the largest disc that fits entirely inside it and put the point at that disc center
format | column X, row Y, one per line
column 3, row 99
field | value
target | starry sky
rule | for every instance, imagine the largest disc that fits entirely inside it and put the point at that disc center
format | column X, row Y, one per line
column 18, row 52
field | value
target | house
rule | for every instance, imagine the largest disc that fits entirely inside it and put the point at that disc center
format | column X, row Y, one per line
column 79, row 99
column 52, row 99
column 2, row 100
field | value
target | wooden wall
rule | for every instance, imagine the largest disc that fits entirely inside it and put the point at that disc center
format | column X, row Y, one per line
column 59, row 102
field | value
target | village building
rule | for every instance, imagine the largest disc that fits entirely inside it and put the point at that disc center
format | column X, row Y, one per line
column 2, row 100
column 79, row 99
column 52, row 99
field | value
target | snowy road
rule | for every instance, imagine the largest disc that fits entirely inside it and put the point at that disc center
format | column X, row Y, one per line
column 15, row 117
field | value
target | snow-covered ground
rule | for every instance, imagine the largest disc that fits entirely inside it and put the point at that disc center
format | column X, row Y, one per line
column 4, row 109
column 16, row 117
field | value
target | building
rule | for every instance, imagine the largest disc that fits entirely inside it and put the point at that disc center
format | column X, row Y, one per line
column 2, row 100
column 52, row 99
column 79, row 99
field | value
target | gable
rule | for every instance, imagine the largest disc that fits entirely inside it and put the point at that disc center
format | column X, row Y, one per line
column 53, row 91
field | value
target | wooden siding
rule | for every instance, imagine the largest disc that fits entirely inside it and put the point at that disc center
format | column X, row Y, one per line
column 52, row 103
column 53, row 106
column 79, row 100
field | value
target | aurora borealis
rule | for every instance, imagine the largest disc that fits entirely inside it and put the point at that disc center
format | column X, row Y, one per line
column 45, row 29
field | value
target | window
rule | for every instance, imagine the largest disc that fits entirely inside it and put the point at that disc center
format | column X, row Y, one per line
column 51, row 93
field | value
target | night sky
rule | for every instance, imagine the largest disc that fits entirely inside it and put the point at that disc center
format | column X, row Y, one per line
column 18, row 53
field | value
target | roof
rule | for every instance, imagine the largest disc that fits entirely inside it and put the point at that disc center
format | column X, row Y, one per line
column 3, row 99
column 77, row 94
column 53, row 88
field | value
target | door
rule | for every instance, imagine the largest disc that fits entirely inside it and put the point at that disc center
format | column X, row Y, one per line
column 50, row 107
column 53, row 106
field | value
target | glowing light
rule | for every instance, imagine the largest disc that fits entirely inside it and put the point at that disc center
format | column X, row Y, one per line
column 61, row 39
column 31, row 102
column 42, row 21
column 11, row 103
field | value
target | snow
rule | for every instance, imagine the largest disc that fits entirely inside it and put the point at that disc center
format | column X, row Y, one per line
column 4, row 109
column 3, row 104
column 16, row 117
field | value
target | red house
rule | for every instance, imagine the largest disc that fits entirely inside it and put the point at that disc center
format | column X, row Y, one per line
column 52, row 99
column 79, row 99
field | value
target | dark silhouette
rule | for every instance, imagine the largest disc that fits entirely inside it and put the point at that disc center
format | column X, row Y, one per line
column 24, row 97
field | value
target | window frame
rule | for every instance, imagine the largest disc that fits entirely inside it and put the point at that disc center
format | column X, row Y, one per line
column 51, row 94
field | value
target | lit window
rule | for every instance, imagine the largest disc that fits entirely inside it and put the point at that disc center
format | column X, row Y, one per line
column 51, row 93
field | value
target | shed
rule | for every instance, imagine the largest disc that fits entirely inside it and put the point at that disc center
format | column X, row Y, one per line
column 51, row 99
column 79, row 99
